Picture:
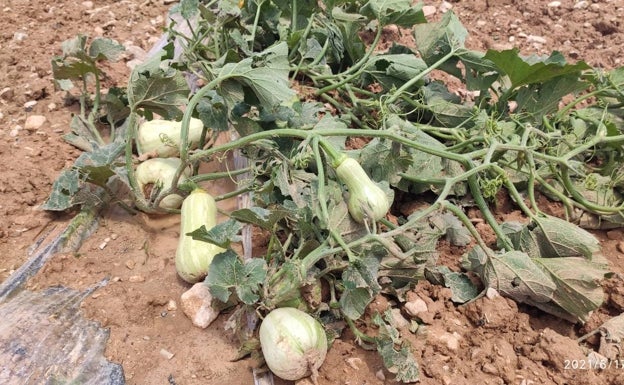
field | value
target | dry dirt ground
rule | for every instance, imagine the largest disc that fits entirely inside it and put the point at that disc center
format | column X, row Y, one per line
column 491, row 341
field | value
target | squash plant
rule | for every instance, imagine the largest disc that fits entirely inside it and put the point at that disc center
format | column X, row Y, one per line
column 296, row 83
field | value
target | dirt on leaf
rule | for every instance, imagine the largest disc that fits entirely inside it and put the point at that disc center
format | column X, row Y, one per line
column 491, row 340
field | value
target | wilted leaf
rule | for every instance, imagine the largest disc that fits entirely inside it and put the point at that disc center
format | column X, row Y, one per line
column 393, row 70
column 462, row 288
column 222, row 234
column 396, row 354
column 514, row 274
column 560, row 238
column 360, row 286
column 384, row 160
column 104, row 48
column 64, row 190
column 456, row 233
column 612, row 339
column 578, row 284
column 259, row 216
column 228, row 273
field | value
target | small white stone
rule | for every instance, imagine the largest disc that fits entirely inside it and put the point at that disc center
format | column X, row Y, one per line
column 52, row 106
column 87, row 4
column 172, row 305
column 197, row 305
column 451, row 340
column 491, row 293
column 34, row 122
column 581, row 4
column 445, row 6
column 28, row 106
column 429, row 10
column 354, row 362
column 20, row 36
column 536, row 39
column 554, row 4
column 136, row 278
column 15, row 131
column 166, row 354
column 413, row 308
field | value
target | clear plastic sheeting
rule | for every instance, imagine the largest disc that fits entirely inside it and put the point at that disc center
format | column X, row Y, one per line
column 45, row 340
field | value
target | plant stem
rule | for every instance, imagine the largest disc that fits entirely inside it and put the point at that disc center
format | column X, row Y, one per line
column 397, row 94
column 358, row 334
column 219, row 175
column 255, row 24
column 233, row 193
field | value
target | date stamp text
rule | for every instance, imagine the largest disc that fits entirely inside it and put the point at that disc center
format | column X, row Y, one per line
column 593, row 364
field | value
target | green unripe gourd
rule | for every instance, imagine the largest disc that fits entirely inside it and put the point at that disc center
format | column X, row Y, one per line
column 366, row 199
column 193, row 257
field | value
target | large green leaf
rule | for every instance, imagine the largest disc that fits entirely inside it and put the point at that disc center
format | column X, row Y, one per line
column 532, row 70
column 435, row 40
column 156, row 88
column 258, row 216
column 543, row 98
column 265, row 73
column 393, row 70
column 104, row 48
column 400, row 12
column 160, row 92
column 223, row 234
column 228, row 274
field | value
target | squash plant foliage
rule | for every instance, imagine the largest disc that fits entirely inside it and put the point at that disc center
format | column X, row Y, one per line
column 295, row 82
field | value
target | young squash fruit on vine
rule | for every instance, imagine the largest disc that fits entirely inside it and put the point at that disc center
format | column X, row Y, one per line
column 366, row 199
column 162, row 138
column 193, row 257
column 160, row 172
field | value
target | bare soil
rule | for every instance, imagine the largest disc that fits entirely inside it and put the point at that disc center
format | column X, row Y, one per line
column 490, row 341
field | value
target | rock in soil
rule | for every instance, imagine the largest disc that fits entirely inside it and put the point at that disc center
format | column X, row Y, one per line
column 197, row 305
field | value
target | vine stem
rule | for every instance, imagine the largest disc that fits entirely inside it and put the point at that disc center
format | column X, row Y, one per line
column 321, row 190
column 259, row 5
column 397, row 94
column 469, row 175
